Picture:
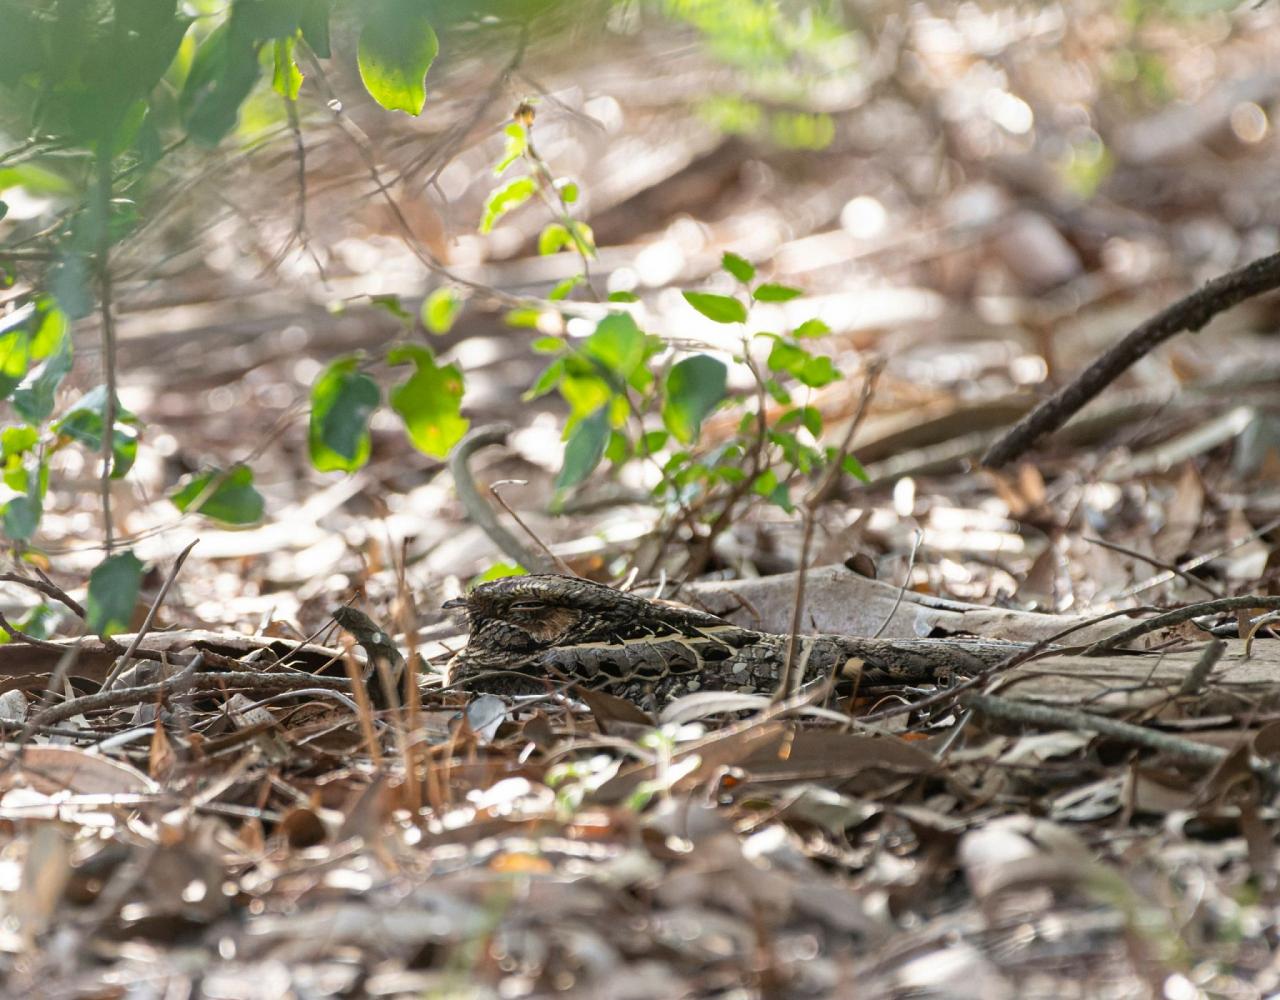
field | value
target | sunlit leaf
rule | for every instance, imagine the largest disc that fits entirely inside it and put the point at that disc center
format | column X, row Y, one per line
column 738, row 267
column 776, row 293
column 721, row 308
column 517, row 143
column 429, row 401
column 397, row 46
column 440, row 309
column 286, row 77
column 502, row 200
column 617, row 343
column 812, row 328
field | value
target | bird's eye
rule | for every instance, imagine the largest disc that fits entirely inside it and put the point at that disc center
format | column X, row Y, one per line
column 527, row 606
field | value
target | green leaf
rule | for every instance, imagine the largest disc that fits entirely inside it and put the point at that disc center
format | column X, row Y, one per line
column 517, row 143
column 623, row 297
column 562, row 290
column 21, row 517
column 313, row 17
column 547, row 381
column 776, row 293
column 720, row 308
column 113, row 594
column 397, row 46
column 568, row 192
column 617, row 343
column 818, row 372
column 553, row 239
column 812, row 328
column 738, row 267
column 852, row 466
column 392, row 305
column 342, row 400
column 653, row 441
column 499, row 571
column 585, row 393
column 286, row 77
column 549, row 345
column 694, row 387
column 429, row 401
column 440, row 309
column 33, row 399
column 584, row 449
column 526, row 316
column 502, row 200
column 222, row 74
column 84, row 423
column 229, row 497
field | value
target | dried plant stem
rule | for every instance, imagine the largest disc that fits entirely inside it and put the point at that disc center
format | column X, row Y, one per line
column 789, row 682
column 1189, row 313
column 103, row 263
column 1074, row 720
column 1177, row 617
column 122, row 664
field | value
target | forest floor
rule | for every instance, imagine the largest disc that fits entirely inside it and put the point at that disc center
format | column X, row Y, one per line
column 1096, row 821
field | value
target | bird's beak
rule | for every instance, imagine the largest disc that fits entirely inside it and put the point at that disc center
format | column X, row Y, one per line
column 457, row 602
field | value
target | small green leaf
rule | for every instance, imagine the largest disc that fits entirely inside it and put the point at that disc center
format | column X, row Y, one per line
column 549, row 345
column 526, row 316
column 21, row 517
column 568, row 192
column 84, row 423
column 440, row 309
column 397, row 46
column 502, row 200
column 738, row 267
column 720, row 308
column 342, row 400
column 852, row 466
column 33, row 399
column 653, row 441
column 430, row 401
column 818, row 372
column 776, row 293
column 623, row 297
column 553, row 239
column 113, row 594
column 584, row 449
column 229, row 497
column 617, row 343
column 562, row 290
column 517, row 143
column 392, row 305
column 812, row 328
column 812, row 420
column 499, row 571
column 286, row 77
column 694, row 387
column 547, row 381
column 585, row 393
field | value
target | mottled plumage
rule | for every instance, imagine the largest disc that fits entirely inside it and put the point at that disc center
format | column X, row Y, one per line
column 526, row 631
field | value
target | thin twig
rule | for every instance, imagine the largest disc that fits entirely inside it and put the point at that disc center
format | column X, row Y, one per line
column 789, row 682
column 122, row 664
column 1189, row 313
column 906, row 582
column 1198, row 674
column 103, row 191
column 480, row 513
column 1177, row 617
column 561, row 565
column 1178, row 747
column 1159, row 564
